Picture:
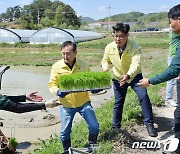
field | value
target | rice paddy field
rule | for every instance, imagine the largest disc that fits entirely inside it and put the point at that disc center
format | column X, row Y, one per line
column 154, row 55
column 92, row 51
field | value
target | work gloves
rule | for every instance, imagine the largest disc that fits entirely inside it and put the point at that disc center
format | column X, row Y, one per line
column 62, row 94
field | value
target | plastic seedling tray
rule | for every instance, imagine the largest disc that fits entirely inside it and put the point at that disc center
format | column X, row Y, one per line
column 85, row 89
column 84, row 81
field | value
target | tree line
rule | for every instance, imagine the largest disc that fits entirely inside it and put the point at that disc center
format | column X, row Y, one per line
column 138, row 17
column 41, row 13
column 45, row 13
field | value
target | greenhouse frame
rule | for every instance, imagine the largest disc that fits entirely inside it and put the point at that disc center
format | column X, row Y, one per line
column 54, row 35
column 46, row 36
column 15, row 35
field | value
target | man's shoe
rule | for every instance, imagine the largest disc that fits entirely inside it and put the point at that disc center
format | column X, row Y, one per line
column 66, row 152
column 171, row 103
column 91, row 148
column 151, row 130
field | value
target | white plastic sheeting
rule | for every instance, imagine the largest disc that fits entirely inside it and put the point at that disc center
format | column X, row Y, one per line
column 15, row 35
column 8, row 36
column 24, row 34
column 46, row 36
column 58, row 36
column 81, row 36
column 50, row 35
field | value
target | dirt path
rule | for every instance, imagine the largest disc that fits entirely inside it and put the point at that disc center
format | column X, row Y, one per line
column 164, row 124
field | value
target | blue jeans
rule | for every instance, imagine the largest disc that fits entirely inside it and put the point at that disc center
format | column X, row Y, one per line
column 120, row 95
column 170, row 84
column 67, row 116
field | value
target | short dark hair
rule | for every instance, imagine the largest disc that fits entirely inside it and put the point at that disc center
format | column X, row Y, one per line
column 121, row 27
column 174, row 12
column 67, row 43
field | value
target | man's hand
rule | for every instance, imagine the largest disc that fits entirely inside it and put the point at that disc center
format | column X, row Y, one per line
column 177, row 78
column 62, row 94
column 105, row 69
column 124, row 79
column 52, row 103
column 33, row 97
column 144, row 82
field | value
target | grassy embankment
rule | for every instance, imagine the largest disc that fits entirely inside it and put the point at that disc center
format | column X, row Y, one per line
column 153, row 62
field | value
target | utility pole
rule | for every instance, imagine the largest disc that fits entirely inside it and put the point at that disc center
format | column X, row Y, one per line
column 109, row 20
column 38, row 18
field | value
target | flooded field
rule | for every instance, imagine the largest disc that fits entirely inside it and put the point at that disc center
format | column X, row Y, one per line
column 22, row 79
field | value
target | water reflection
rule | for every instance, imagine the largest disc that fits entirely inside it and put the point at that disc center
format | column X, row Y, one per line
column 20, row 80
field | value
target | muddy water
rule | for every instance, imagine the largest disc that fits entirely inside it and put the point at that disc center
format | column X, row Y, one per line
column 20, row 80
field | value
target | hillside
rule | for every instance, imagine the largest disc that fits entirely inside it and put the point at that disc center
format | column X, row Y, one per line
column 86, row 19
column 138, row 17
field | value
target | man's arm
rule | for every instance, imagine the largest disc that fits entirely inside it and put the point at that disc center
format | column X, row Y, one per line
column 135, row 65
column 19, row 98
column 31, row 96
column 170, row 73
column 106, row 61
column 53, row 81
column 14, row 106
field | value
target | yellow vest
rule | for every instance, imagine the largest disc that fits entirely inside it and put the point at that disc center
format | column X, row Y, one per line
column 71, row 100
column 129, row 63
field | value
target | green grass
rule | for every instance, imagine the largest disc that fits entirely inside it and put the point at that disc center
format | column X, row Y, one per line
column 152, row 63
column 151, row 40
column 84, row 80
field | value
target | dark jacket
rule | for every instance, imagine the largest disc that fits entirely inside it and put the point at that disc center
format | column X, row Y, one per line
column 172, row 71
column 12, row 104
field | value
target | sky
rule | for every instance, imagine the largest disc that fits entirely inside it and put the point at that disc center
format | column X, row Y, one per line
column 98, row 9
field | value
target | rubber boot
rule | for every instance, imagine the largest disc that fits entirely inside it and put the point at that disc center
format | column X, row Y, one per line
column 92, row 141
column 66, row 144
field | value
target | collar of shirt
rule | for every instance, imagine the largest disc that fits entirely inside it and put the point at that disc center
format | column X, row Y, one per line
column 75, row 65
column 121, row 50
column 71, row 67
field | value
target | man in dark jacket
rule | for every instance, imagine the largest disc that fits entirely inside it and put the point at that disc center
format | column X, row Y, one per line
column 173, row 70
column 12, row 103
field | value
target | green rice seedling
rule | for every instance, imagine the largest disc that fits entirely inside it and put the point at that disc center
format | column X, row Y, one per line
column 84, row 81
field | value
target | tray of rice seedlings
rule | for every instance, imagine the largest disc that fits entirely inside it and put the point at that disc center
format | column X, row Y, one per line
column 85, row 81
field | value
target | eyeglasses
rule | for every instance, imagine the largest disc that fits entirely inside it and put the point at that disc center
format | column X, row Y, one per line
column 120, row 36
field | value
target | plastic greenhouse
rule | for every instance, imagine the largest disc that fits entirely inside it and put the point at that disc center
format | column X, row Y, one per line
column 58, row 36
column 81, row 36
column 15, row 35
